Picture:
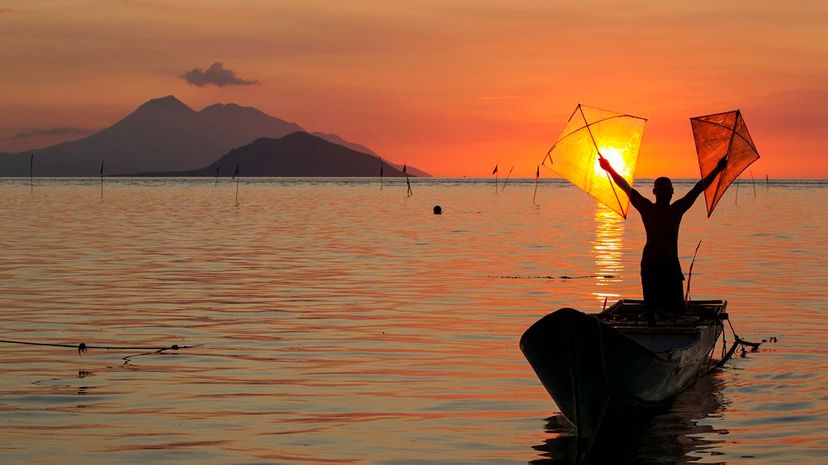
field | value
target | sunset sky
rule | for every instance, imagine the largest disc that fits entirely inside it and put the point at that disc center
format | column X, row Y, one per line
column 451, row 87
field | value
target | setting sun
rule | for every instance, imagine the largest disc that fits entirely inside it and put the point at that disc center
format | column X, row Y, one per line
column 616, row 159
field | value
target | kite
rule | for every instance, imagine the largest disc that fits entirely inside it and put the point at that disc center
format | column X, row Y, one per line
column 591, row 134
column 722, row 135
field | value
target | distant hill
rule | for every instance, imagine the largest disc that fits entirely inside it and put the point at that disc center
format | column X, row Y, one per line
column 299, row 154
column 161, row 135
column 361, row 148
column 338, row 140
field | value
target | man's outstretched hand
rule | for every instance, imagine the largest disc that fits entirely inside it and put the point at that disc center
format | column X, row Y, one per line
column 605, row 163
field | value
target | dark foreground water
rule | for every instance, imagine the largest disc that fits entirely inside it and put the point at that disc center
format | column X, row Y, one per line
column 340, row 323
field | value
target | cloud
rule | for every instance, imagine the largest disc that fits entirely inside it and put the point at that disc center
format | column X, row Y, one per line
column 216, row 75
column 49, row 132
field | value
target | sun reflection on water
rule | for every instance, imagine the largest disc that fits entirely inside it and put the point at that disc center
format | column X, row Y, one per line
column 608, row 252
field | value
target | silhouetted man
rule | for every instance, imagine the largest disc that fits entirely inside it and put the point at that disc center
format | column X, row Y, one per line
column 661, row 275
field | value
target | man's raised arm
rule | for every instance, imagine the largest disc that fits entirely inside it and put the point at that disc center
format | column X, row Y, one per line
column 687, row 201
column 708, row 180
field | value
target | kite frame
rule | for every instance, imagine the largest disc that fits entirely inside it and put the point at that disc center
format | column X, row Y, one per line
column 733, row 135
column 594, row 143
column 588, row 125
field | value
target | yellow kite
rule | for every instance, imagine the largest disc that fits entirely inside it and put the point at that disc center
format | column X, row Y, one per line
column 590, row 134
column 722, row 135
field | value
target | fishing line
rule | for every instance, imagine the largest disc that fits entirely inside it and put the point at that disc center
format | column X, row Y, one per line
column 83, row 347
column 690, row 275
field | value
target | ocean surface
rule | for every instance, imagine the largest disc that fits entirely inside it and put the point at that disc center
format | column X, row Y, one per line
column 331, row 321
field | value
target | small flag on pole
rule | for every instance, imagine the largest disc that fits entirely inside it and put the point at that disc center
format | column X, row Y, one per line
column 494, row 172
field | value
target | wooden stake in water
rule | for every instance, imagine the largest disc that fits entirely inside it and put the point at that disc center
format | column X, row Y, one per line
column 494, row 172
column 737, row 192
column 753, row 181
column 507, row 178
column 380, row 173
column 409, row 192
column 236, row 177
column 31, row 172
column 102, row 164
column 767, row 182
column 215, row 184
column 537, row 177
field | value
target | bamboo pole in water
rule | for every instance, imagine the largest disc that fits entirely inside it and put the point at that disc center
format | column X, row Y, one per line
column 507, row 179
column 409, row 192
column 537, row 177
column 236, row 177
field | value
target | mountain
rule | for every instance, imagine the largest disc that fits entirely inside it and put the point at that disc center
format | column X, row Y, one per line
column 340, row 141
column 299, row 154
column 361, row 148
column 163, row 134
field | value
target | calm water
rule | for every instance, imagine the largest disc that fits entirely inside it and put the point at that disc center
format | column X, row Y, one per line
column 338, row 323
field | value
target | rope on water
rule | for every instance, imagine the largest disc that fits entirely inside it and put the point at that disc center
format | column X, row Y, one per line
column 605, row 276
column 737, row 343
column 83, row 347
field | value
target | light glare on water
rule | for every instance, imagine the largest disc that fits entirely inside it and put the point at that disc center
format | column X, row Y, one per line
column 340, row 323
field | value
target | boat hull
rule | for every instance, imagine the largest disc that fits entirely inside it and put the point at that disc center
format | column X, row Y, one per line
column 598, row 370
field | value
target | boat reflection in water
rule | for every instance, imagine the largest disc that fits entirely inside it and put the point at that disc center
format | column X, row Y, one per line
column 675, row 436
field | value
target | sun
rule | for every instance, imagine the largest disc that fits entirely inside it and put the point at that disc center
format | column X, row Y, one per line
column 616, row 159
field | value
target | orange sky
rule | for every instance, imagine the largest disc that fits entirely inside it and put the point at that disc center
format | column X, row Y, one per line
column 451, row 87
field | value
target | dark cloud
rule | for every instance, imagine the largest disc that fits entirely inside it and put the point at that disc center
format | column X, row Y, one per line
column 49, row 132
column 216, row 75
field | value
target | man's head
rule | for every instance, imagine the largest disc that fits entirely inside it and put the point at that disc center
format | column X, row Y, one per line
column 663, row 189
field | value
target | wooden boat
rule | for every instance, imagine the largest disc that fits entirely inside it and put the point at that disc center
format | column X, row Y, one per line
column 607, row 367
